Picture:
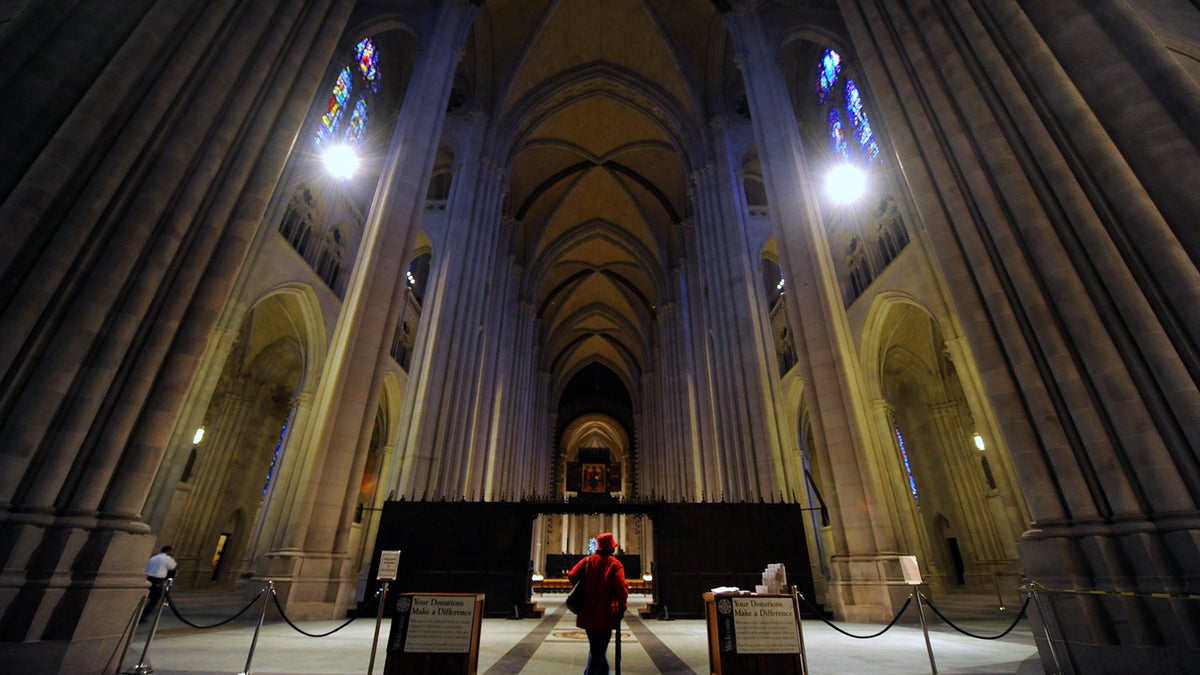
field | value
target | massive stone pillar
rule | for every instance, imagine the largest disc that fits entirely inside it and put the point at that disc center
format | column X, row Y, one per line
column 1051, row 151
column 129, row 201
column 445, row 430
column 745, row 428
column 312, row 564
column 864, row 563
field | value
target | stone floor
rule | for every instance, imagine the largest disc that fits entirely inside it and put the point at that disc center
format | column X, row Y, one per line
column 551, row 645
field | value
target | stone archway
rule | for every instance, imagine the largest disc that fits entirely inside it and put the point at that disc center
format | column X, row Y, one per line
column 958, row 519
column 219, row 501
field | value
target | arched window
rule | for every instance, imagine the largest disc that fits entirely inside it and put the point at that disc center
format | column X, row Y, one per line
column 275, row 458
column 418, row 275
column 827, row 74
column 343, row 123
column 912, row 482
column 402, row 343
column 330, row 258
column 845, row 107
column 297, row 224
column 772, row 278
column 756, row 197
column 858, row 268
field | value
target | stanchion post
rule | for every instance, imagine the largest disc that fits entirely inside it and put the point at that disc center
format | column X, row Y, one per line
column 262, row 613
column 143, row 666
column 131, row 630
column 1037, row 600
column 912, row 577
column 799, row 630
column 924, row 628
column 378, row 621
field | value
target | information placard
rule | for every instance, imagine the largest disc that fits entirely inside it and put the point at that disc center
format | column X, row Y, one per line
column 757, row 625
column 442, row 624
column 389, row 564
column 754, row 634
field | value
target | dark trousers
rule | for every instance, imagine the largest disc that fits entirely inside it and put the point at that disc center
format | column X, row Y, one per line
column 598, row 652
column 156, row 591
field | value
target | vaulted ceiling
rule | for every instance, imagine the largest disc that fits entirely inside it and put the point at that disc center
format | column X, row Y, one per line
column 598, row 106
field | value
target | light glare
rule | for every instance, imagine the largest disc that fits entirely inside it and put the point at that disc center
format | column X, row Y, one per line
column 846, row 183
column 341, row 161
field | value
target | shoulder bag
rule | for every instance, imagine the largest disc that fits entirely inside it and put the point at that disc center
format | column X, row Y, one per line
column 575, row 597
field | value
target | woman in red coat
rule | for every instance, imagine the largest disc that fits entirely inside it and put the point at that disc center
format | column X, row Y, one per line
column 605, row 597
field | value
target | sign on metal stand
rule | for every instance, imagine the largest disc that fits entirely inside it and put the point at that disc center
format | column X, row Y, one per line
column 389, row 565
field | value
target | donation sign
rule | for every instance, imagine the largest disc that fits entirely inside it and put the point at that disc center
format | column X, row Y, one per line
column 757, row 625
column 435, row 623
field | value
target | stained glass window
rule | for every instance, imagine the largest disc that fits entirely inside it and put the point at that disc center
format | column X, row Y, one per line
column 845, row 104
column 837, row 135
column 330, row 121
column 827, row 74
column 275, row 458
column 912, row 482
column 368, row 63
column 358, row 123
column 858, row 120
column 342, row 124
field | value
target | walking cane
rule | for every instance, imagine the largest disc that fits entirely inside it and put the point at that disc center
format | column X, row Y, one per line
column 618, row 646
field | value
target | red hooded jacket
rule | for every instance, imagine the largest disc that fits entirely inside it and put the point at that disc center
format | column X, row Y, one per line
column 605, row 593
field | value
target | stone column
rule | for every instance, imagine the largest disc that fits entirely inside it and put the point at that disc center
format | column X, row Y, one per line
column 127, row 218
column 744, row 398
column 893, row 481
column 1008, row 508
column 445, row 428
column 967, row 482
column 1051, row 199
column 865, row 560
column 317, row 529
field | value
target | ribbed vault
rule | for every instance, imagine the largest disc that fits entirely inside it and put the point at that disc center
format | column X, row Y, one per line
column 599, row 103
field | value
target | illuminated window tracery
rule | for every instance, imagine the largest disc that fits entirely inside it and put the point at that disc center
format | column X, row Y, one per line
column 844, row 100
column 365, row 78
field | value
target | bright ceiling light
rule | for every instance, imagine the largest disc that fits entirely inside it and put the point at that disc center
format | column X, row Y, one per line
column 341, row 161
column 846, row 183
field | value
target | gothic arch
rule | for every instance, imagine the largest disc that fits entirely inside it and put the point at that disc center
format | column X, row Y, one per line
column 874, row 341
column 939, row 482
column 600, row 79
column 275, row 356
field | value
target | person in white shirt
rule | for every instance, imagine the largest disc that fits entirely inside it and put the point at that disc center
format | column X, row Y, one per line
column 160, row 567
